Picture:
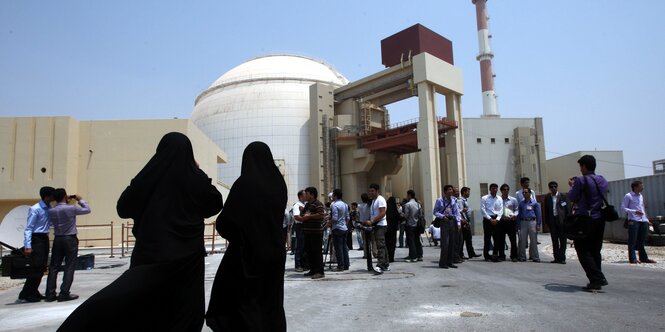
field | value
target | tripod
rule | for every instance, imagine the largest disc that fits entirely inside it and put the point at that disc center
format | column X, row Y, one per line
column 329, row 249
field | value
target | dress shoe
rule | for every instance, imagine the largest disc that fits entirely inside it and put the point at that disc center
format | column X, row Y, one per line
column 592, row 287
column 317, row 276
column 650, row 261
column 67, row 297
column 513, row 260
column 308, row 274
column 536, row 260
column 635, row 262
column 300, row 269
column 554, row 261
column 50, row 298
column 452, row 266
column 443, row 267
column 604, row 282
column 30, row 299
column 420, row 259
column 338, row 269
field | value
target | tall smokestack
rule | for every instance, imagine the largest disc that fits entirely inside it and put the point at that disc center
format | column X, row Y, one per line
column 485, row 57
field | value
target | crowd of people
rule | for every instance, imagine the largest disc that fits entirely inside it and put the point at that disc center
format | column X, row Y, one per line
column 516, row 217
column 163, row 289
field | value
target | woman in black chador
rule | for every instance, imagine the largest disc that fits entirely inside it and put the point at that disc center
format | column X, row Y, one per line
column 393, row 218
column 248, row 292
column 163, row 289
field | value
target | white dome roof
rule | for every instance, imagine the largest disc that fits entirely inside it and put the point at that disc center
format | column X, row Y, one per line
column 279, row 67
column 265, row 99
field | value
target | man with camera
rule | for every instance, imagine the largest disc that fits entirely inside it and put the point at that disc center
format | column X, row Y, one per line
column 586, row 192
column 446, row 209
column 65, row 243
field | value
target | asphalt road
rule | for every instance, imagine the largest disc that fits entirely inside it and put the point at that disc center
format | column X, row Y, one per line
column 478, row 296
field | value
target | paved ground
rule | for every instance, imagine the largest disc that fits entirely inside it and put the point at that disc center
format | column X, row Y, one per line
column 478, row 296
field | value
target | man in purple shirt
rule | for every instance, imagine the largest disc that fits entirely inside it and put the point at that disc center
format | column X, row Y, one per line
column 586, row 192
column 65, row 243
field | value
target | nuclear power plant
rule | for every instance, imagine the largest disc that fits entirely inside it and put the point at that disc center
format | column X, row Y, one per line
column 324, row 131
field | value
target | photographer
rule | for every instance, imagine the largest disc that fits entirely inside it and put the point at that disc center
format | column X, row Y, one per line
column 447, row 210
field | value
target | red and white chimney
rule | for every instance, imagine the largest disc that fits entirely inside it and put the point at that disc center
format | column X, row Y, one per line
column 485, row 56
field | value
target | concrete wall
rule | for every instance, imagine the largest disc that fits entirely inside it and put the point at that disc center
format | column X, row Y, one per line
column 496, row 161
column 608, row 164
column 95, row 159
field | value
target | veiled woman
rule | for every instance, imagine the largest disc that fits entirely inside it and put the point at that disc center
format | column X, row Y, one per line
column 393, row 219
column 163, row 289
column 248, row 292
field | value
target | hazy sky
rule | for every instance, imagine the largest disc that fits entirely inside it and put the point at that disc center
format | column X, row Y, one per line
column 591, row 69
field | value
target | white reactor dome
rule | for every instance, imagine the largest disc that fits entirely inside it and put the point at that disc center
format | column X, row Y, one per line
column 264, row 99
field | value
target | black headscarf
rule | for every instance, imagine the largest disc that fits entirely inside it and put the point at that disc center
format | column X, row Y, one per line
column 248, row 291
column 168, row 200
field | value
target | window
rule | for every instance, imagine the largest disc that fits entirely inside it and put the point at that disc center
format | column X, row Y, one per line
column 507, row 140
column 484, row 189
column 479, row 140
column 492, row 140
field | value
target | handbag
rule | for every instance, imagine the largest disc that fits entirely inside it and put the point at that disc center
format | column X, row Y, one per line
column 607, row 212
column 577, row 227
column 421, row 223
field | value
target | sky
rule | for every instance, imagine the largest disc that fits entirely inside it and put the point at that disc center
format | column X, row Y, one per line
column 591, row 69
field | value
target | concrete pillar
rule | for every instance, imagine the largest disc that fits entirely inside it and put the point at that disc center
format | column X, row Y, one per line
column 428, row 143
column 454, row 151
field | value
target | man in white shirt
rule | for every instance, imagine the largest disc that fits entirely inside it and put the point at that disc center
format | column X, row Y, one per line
column 638, row 223
column 379, row 223
column 507, row 225
column 491, row 207
column 297, row 228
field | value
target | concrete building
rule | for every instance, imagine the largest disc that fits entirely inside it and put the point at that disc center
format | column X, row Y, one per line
column 608, row 163
column 96, row 159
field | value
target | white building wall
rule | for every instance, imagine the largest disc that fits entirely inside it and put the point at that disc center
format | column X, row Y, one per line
column 488, row 162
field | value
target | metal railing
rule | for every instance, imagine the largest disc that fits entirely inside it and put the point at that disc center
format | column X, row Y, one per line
column 84, row 227
column 127, row 238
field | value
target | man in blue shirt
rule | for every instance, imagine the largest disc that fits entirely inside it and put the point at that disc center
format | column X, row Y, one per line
column 529, row 219
column 36, row 245
column 447, row 210
column 586, row 192
column 339, row 216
